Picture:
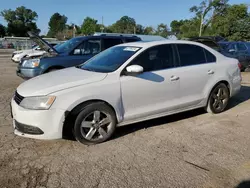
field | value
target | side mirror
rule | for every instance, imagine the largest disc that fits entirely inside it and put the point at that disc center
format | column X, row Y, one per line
column 231, row 50
column 77, row 52
column 134, row 70
column 38, row 48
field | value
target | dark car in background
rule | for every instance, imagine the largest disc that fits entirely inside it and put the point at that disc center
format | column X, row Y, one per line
column 71, row 53
column 229, row 50
column 240, row 50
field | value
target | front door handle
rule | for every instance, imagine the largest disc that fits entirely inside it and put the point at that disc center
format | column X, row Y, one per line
column 210, row 72
column 174, row 78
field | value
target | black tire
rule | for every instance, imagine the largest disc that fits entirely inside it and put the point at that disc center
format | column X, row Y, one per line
column 81, row 132
column 217, row 103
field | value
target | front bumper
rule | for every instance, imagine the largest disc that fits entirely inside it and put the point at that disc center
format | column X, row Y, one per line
column 28, row 72
column 38, row 124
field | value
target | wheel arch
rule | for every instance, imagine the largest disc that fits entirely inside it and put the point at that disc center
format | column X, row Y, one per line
column 70, row 116
column 53, row 67
column 219, row 82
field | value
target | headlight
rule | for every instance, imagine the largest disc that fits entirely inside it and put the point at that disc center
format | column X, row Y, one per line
column 31, row 63
column 38, row 103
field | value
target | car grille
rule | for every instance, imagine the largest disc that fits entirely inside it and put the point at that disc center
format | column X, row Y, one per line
column 18, row 98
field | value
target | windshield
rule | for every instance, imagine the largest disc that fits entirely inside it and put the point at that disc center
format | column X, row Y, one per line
column 110, row 59
column 68, row 45
column 35, row 47
column 224, row 46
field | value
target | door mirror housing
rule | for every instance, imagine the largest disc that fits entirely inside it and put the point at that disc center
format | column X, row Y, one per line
column 77, row 52
column 231, row 50
column 134, row 70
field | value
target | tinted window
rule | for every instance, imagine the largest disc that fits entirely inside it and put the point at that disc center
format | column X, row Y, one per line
column 88, row 47
column 209, row 56
column 241, row 47
column 191, row 54
column 69, row 45
column 131, row 40
column 224, row 46
column 111, row 42
column 110, row 59
column 211, row 44
column 156, row 58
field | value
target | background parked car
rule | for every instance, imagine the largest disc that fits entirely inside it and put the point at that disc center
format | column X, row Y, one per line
column 35, row 52
column 73, row 52
column 240, row 50
column 226, row 49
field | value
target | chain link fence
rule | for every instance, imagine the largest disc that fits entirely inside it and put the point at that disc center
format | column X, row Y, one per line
column 19, row 43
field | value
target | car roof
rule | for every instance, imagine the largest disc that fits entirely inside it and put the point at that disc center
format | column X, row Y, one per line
column 146, row 44
column 106, row 36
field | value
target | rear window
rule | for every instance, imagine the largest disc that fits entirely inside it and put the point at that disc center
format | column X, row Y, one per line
column 224, row 46
column 210, row 44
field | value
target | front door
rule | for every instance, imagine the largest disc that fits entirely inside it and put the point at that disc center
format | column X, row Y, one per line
column 154, row 91
column 85, row 51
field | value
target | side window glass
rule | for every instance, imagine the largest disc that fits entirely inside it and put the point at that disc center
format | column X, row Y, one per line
column 90, row 47
column 241, row 47
column 111, row 42
column 156, row 58
column 191, row 54
column 209, row 56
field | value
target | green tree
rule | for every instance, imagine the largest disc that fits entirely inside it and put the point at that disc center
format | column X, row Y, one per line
column 207, row 10
column 176, row 27
column 124, row 25
column 149, row 30
column 162, row 30
column 57, row 24
column 2, row 31
column 20, row 21
column 233, row 23
column 190, row 28
column 90, row 26
column 139, row 29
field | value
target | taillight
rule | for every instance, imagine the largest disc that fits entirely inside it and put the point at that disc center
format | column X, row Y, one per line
column 240, row 66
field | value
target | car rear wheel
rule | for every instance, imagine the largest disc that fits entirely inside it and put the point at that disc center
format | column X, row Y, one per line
column 96, row 123
column 218, row 99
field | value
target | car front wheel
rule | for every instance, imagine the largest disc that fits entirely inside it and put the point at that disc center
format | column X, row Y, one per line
column 218, row 99
column 96, row 123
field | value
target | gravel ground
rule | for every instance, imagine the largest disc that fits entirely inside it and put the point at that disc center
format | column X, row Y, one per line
column 192, row 149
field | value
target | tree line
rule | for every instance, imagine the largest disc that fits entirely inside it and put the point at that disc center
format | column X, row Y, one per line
column 210, row 17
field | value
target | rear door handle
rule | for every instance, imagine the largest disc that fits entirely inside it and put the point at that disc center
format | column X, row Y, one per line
column 174, row 78
column 210, row 72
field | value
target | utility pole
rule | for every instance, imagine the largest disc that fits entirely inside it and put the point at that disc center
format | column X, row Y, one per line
column 74, row 30
column 201, row 25
column 102, row 27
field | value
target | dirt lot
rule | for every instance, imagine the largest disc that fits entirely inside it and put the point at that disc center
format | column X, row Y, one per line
column 192, row 149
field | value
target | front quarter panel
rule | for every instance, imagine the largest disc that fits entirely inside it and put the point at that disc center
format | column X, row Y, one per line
column 107, row 90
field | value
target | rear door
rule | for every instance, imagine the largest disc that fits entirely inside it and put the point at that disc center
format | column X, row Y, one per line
column 197, row 67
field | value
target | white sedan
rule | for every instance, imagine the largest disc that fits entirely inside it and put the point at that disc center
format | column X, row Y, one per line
column 125, row 84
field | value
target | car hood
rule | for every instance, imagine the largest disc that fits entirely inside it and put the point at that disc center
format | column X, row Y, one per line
column 42, row 43
column 57, row 81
